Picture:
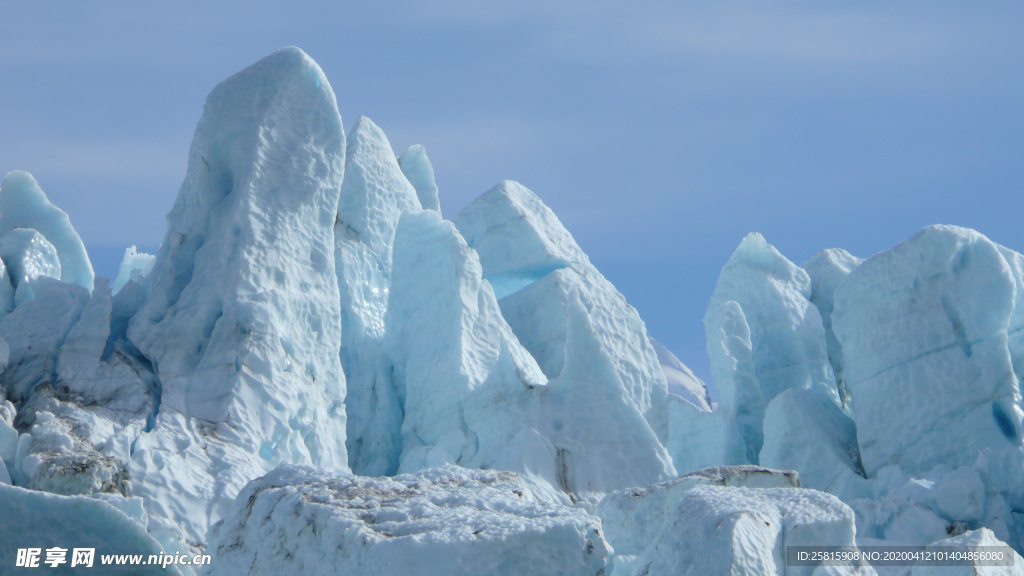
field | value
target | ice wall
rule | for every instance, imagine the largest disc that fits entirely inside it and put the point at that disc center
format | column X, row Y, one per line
column 373, row 196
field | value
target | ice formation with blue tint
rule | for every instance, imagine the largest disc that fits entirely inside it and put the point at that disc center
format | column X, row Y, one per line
column 420, row 173
column 134, row 266
column 311, row 326
column 23, row 204
column 535, row 266
column 373, row 196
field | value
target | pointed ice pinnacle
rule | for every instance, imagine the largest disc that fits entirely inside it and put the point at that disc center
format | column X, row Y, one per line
column 417, row 168
column 534, row 264
column 24, row 205
column 474, row 397
column 242, row 323
column 373, row 196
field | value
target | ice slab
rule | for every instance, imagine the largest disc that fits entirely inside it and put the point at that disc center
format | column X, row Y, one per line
column 723, row 530
column 827, row 270
column 134, row 266
column 923, row 329
column 242, row 322
column 444, row 521
column 805, row 431
column 633, row 518
column 470, row 390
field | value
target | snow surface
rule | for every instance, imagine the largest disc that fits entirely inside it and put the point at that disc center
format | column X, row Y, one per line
column 975, row 539
column 23, row 204
column 449, row 521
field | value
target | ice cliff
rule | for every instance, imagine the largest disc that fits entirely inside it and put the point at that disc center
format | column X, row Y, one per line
column 317, row 373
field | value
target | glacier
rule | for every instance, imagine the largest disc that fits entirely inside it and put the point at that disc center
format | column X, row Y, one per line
column 316, row 372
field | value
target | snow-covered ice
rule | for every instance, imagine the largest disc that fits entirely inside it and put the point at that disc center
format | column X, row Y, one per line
column 445, row 521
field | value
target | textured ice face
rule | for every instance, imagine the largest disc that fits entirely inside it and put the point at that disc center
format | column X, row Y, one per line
column 242, row 323
column 535, row 267
column 473, row 396
column 28, row 257
column 805, row 431
column 24, row 205
column 373, row 196
column 923, row 329
column 725, row 530
column 448, row 521
column 732, row 432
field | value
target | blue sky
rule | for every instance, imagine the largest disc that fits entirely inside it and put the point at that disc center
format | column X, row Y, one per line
column 660, row 132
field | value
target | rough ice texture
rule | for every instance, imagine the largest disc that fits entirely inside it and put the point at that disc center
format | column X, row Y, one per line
column 32, row 519
column 24, row 205
column 373, row 196
column 134, row 266
column 534, row 266
column 420, row 173
column 35, row 332
column 6, row 291
column 827, row 270
column 242, row 324
column 805, row 431
column 447, row 521
column 923, row 328
column 28, row 256
column 723, row 530
column 633, row 518
column 473, row 396
column 975, row 539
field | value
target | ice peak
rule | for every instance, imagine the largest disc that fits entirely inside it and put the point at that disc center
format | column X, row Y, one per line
column 420, row 173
